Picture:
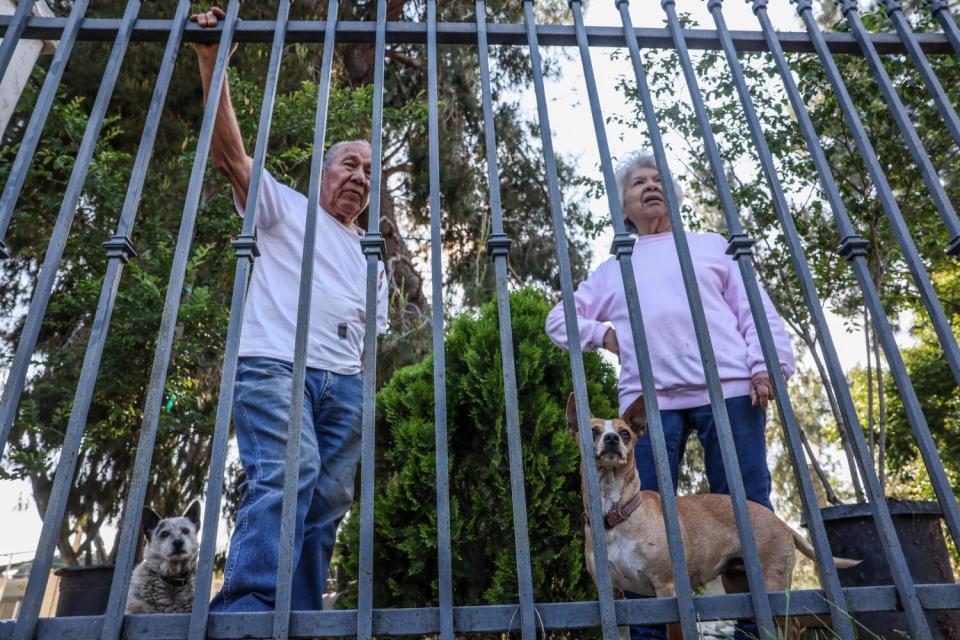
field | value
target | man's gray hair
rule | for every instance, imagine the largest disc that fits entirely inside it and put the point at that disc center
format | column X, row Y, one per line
column 639, row 160
column 335, row 148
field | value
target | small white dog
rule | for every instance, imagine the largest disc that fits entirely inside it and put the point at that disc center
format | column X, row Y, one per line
column 164, row 581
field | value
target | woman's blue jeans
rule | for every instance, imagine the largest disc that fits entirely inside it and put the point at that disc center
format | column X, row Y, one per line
column 748, row 425
column 329, row 451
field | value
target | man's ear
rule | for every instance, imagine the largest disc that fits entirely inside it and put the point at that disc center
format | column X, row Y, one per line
column 636, row 416
column 149, row 522
column 193, row 514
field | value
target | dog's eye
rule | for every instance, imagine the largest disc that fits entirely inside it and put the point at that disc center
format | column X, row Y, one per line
column 164, row 534
column 625, row 435
column 596, row 434
column 185, row 531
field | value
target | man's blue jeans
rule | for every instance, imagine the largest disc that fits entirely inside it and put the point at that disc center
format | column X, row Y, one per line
column 748, row 424
column 329, row 451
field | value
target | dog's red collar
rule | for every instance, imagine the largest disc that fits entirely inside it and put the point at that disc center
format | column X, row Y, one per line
column 620, row 513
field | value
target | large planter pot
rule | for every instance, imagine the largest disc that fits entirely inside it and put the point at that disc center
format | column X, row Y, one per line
column 84, row 591
column 852, row 534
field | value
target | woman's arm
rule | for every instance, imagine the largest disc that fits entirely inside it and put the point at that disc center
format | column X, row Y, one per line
column 735, row 295
column 591, row 301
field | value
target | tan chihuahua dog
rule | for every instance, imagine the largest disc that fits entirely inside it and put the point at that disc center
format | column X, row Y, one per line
column 635, row 532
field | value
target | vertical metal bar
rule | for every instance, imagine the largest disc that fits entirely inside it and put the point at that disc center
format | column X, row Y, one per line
column 118, row 253
column 130, row 523
column 498, row 247
column 374, row 248
column 285, row 569
column 907, row 130
column 246, row 250
column 16, row 379
column 687, row 610
column 911, row 403
column 444, row 562
column 608, row 615
column 895, row 12
column 31, row 137
column 11, row 38
column 731, row 464
column 741, row 249
column 941, row 11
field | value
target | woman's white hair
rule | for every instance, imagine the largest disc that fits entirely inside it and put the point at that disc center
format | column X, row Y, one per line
column 638, row 160
column 331, row 153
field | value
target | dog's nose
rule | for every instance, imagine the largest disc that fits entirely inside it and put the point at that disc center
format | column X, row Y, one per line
column 178, row 545
column 610, row 438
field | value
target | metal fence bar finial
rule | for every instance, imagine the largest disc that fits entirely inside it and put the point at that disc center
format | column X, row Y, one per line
column 140, row 476
column 498, row 248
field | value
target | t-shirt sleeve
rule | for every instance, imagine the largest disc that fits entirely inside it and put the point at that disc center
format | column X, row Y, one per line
column 269, row 203
column 383, row 299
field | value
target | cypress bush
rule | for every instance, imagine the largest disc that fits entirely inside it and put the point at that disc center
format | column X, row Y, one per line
column 484, row 564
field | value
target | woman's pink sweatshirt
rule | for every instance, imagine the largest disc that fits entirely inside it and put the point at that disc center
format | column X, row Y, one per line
column 674, row 353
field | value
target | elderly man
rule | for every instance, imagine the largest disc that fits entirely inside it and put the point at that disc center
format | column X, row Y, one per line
column 330, row 431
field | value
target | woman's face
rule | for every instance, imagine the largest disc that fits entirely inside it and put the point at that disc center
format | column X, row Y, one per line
column 643, row 197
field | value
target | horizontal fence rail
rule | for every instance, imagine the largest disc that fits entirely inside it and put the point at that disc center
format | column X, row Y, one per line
column 526, row 615
column 102, row 29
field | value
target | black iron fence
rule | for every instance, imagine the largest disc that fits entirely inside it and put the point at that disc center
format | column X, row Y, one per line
column 527, row 615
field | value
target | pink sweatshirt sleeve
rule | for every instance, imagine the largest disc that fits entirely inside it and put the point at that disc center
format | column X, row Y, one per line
column 591, row 301
column 736, row 296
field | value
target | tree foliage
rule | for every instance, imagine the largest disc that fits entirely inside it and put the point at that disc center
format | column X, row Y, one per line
column 484, row 565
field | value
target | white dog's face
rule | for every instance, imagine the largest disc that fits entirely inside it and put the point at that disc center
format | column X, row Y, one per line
column 172, row 540
column 613, row 440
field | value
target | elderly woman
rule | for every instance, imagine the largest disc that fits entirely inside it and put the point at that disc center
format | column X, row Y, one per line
column 681, row 389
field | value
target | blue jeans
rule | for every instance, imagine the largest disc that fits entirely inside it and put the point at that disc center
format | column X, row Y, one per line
column 329, row 451
column 748, row 424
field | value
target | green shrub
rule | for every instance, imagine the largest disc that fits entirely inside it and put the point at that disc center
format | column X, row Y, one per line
column 484, row 565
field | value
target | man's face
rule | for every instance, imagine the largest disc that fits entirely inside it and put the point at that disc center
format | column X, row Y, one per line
column 345, row 184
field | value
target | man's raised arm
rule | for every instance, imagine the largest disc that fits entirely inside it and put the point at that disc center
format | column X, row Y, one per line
column 226, row 149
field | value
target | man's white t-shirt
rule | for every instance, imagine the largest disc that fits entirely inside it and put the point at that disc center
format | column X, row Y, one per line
column 337, row 314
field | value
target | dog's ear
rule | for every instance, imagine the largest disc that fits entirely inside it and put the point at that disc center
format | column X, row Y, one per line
column 149, row 522
column 636, row 416
column 193, row 513
column 573, row 425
